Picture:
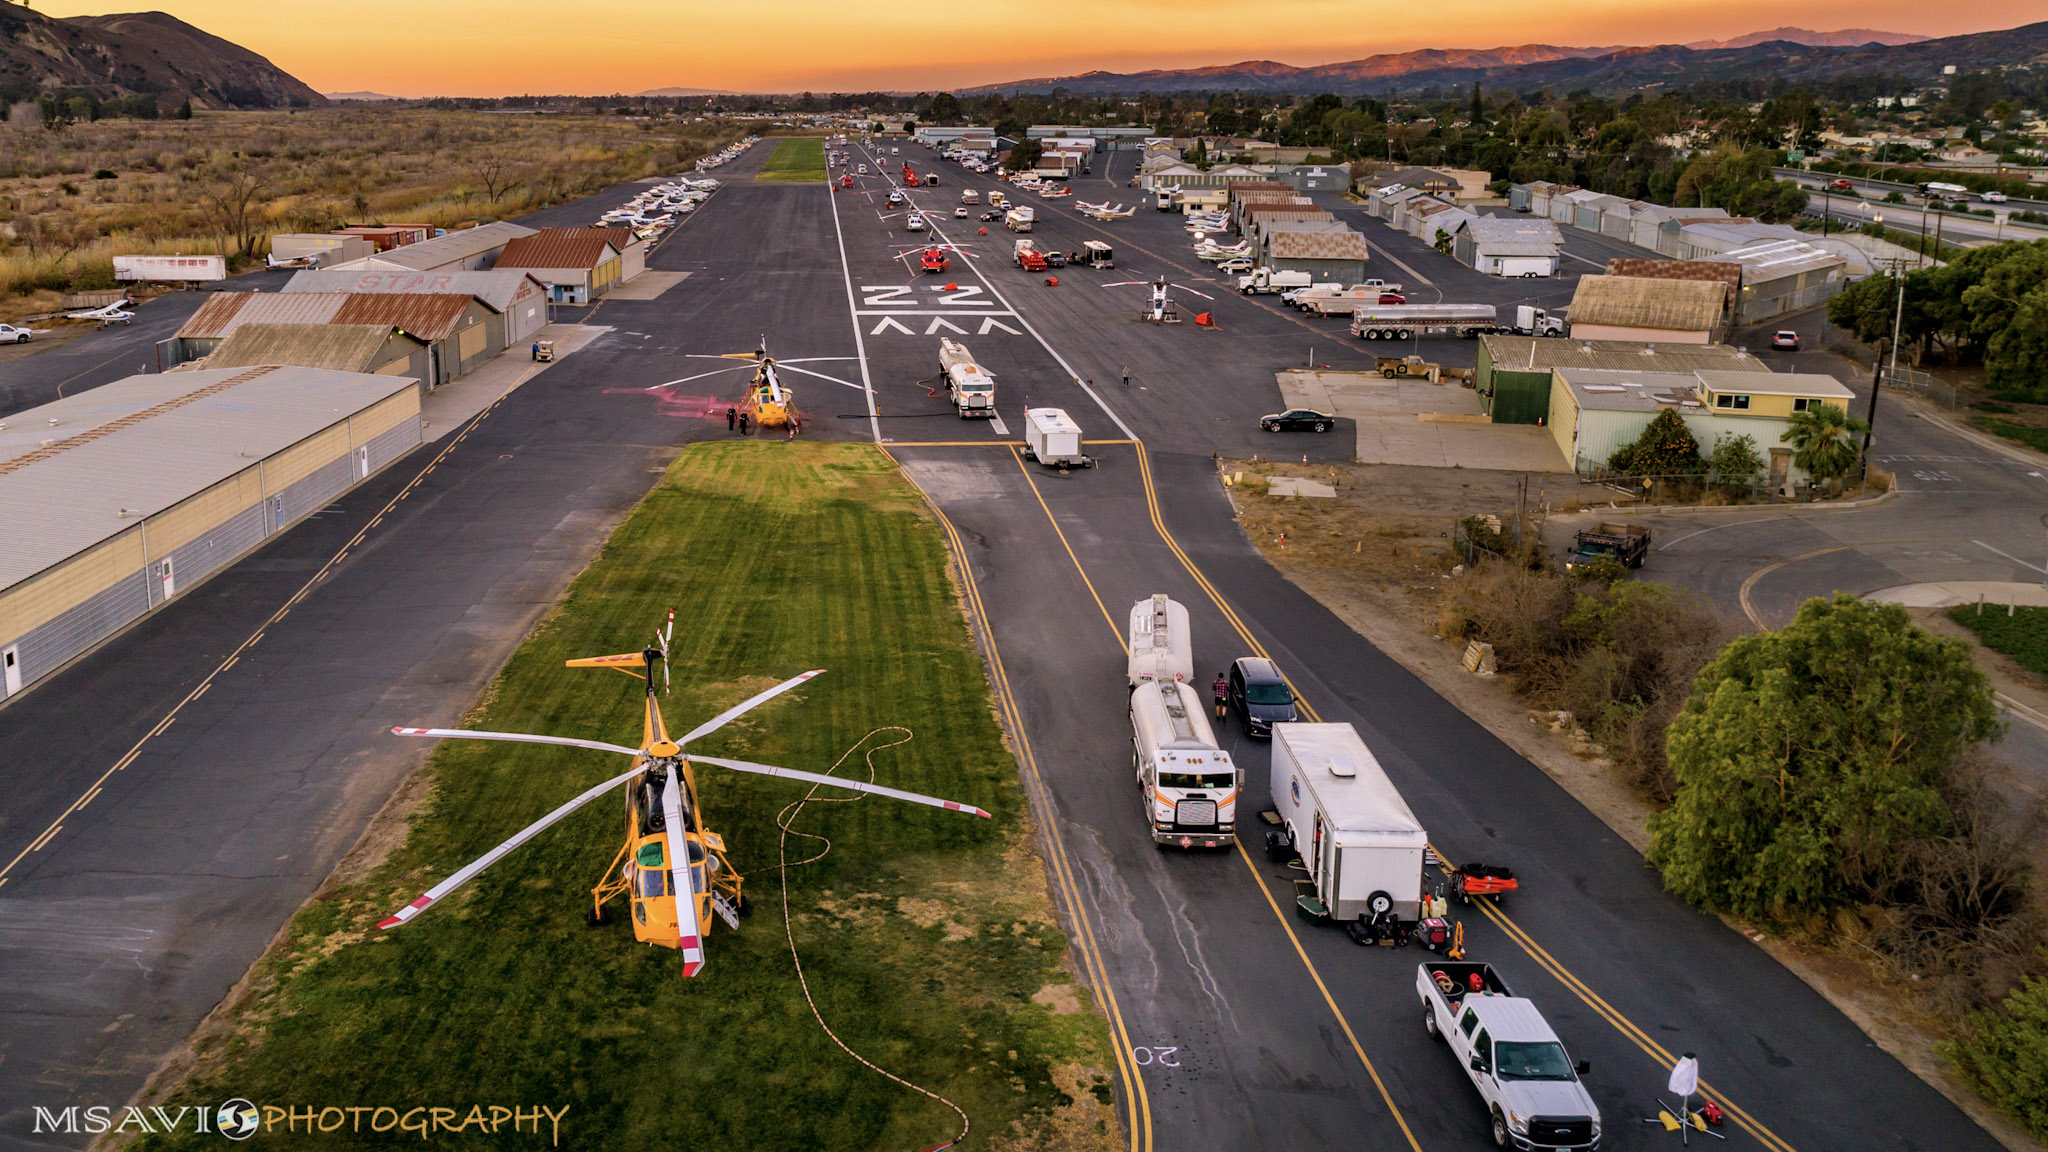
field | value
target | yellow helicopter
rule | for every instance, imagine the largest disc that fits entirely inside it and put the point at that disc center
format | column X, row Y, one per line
column 668, row 852
column 767, row 402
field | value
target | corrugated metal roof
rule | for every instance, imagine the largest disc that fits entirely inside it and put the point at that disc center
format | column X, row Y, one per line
column 1642, row 302
column 1344, row 245
column 455, row 247
column 336, row 347
column 1776, row 383
column 429, row 316
column 498, row 289
column 132, row 448
column 558, row 248
column 621, row 237
column 1776, row 259
column 1659, row 269
column 222, row 312
column 1615, row 390
column 1516, row 229
column 1539, row 354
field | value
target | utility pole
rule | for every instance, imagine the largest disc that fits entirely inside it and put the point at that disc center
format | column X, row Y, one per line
column 1877, row 371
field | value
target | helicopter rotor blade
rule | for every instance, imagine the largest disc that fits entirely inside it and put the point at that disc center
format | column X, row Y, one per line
column 682, row 880
column 842, row 782
column 420, row 905
column 737, row 710
column 516, row 737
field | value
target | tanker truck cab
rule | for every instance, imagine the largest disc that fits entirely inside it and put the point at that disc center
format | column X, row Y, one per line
column 1189, row 785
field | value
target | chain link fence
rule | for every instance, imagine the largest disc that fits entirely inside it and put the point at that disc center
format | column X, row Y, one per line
column 1915, row 382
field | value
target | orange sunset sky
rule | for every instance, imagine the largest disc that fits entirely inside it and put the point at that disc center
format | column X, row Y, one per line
column 510, row 47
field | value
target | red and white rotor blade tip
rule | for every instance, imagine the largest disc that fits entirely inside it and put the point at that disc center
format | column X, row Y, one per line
column 842, row 782
column 745, row 706
column 433, row 894
column 681, row 880
column 515, row 737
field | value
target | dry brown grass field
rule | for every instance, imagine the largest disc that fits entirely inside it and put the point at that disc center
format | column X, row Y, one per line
column 224, row 182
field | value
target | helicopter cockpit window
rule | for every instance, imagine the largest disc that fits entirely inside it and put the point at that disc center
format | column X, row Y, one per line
column 653, row 882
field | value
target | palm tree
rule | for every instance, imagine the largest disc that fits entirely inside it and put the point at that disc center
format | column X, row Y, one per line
column 1823, row 440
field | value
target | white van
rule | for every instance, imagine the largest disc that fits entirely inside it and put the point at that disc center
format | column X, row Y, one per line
column 1190, row 786
column 970, row 196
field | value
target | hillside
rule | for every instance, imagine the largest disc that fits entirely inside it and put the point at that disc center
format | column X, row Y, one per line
column 138, row 52
column 1791, row 53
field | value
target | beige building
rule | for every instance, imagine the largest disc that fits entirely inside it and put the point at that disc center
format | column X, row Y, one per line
column 125, row 496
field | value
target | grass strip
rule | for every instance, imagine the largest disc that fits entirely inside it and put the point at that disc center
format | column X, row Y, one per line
column 796, row 158
column 2022, row 635
column 928, row 936
column 2028, row 434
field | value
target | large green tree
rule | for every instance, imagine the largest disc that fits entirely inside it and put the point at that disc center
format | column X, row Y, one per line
column 1806, row 757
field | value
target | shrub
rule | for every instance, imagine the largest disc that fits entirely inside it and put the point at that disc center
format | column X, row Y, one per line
column 103, row 174
column 1807, row 758
column 1665, row 448
column 2005, row 1052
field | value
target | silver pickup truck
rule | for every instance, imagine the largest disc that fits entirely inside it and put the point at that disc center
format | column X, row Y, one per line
column 1531, row 1089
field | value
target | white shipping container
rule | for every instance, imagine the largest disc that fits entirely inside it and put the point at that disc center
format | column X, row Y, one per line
column 155, row 268
column 1355, row 833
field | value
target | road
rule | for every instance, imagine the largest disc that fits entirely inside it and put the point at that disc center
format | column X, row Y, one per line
column 1238, row 1025
column 1866, row 205
column 1198, row 951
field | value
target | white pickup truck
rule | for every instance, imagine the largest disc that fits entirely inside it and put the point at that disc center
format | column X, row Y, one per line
column 1533, row 1095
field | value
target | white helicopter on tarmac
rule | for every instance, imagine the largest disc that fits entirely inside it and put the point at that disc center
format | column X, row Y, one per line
column 1161, row 310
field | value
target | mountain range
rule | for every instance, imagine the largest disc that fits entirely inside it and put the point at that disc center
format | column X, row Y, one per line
column 1792, row 53
column 138, row 52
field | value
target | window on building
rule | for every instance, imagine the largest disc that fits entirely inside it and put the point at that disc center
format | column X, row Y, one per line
column 1807, row 403
column 1739, row 403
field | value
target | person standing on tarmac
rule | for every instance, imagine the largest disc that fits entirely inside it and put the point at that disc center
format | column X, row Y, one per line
column 743, row 423
column 731, row 414
column 1221, row 690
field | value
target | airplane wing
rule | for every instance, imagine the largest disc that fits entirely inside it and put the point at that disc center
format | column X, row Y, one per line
column 842, row 782
column 682, row 883
column 734, row 712
column 515, row 737
column 405, row 914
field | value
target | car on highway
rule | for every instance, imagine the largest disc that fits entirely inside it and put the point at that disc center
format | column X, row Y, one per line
column 1298, row 420
column 1261, row 695
column 1787, row 339
column 1841, row 185
column 9, row 334
column 1992, row 197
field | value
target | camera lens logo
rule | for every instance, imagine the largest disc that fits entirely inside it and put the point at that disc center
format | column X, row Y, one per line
column 236, row 1119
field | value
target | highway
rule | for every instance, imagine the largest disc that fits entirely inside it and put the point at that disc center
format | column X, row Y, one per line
column 1866, row 205
column 1238, row 1024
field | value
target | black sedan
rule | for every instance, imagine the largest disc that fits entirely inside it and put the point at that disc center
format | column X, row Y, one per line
column 1298, row 420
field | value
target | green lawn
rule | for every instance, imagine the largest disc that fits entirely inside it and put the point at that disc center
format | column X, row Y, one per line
column 2022, row 635
column 796, row 158
column 928, row 936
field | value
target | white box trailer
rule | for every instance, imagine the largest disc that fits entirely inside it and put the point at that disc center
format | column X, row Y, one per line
column 194, row 269
column 1190, row 785
column 1357, row 837
column 1162, row 648
column 1053, row 439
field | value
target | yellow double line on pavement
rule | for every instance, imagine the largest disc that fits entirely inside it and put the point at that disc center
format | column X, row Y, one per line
column 1136, row 1102
column 1118, row 638
column 1513, row 930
